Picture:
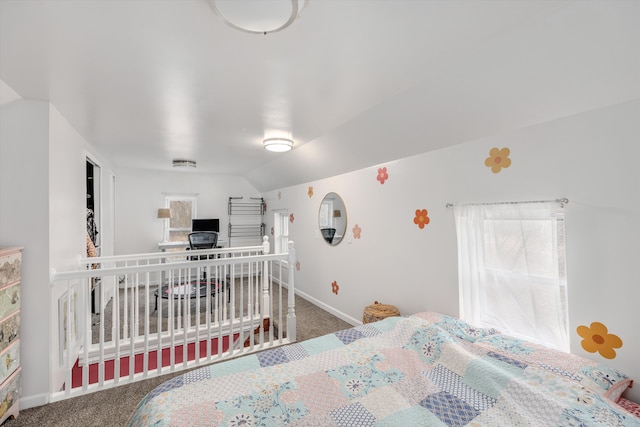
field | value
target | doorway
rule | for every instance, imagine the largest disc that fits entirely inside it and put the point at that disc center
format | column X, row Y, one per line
column 94, row 223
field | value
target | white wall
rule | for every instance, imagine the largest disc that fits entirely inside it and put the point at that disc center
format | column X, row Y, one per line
column 140, row 193
column 24, row 221
column 591, row 158
column 67, row 214
column 42, row 191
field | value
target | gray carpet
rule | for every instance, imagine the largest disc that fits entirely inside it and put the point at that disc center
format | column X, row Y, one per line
column 113, row 407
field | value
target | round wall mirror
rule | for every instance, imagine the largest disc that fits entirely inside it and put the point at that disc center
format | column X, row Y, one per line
column 332, row 219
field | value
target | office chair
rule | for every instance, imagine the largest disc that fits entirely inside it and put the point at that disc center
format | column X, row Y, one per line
column 328, row 234
column 206, row 240
column 202, row 240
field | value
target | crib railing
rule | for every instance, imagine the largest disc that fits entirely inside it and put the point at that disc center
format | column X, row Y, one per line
column 165, row 312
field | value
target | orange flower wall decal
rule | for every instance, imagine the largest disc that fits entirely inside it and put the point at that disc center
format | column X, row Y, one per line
column 334, row 287
column 382, row 175
column 291, row 218
column 356, row 231
column 597, row 338
column 421, row 218
column 498, row 159
column 310, row 191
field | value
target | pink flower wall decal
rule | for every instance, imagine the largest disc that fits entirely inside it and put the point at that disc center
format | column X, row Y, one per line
column 291, row 218
column 334, row 287
column 310, row 192
column 356, row 231
column 421, row 218
column 382, row 175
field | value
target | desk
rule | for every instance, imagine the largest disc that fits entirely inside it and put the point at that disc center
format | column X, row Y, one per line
column 164, row 246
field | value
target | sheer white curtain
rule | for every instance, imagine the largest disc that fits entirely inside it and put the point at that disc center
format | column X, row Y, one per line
column 511, row 266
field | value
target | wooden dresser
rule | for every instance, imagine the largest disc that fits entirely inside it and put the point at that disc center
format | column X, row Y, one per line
column 10, row 266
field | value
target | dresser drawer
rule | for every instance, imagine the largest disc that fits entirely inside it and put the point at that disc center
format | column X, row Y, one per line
column 9, row 331
column 10, row 395
column 10, row 265
column 9, row 361
column 9, row 300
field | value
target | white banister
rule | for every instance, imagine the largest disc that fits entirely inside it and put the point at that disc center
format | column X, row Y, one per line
column 169, row 313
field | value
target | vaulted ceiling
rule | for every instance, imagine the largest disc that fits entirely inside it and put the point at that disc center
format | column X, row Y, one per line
column 354, row 83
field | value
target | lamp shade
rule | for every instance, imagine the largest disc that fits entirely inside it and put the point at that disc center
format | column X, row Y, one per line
column 164, row 213
column 278, row 145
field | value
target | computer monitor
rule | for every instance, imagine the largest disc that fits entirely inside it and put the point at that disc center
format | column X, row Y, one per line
column 211, row 224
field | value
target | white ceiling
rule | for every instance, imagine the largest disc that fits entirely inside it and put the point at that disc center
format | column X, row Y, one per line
column 353, row 82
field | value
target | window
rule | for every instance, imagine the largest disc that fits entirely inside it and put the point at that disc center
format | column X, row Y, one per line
column 281, row 232
column 183, row 210
column 324, row 218
column 511, row 260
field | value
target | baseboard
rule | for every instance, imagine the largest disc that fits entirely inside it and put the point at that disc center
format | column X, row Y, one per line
column 325, row 307
column 27, row 402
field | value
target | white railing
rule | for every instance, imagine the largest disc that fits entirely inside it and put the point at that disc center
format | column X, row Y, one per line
column 169, row 312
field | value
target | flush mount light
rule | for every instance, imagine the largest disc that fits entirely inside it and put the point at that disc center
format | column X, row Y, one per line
column 258, row 17
column 181, row 163
column 279, row 145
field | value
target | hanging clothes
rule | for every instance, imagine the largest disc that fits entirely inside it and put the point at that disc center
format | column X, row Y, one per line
column 92, row 227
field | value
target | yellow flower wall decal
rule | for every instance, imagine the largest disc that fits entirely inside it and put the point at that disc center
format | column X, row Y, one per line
column 597, row 338
column 498, row 159
column 310, row 191
column 421, row 218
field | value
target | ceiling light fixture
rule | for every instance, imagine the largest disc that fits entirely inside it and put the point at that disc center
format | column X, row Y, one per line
column 258, row 17
column 279, row 145
column 181, row 163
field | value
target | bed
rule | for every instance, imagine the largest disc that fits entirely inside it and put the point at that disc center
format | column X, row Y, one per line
column 427, row 369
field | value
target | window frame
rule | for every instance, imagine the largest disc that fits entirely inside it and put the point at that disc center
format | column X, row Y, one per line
column 169, row 198
column 480, row 279
column 281, row 231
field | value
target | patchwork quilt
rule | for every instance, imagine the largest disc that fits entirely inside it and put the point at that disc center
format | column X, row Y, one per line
column 423, row 370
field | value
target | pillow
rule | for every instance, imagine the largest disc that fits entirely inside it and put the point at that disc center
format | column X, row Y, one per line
column 632, row 407
column 610, row 382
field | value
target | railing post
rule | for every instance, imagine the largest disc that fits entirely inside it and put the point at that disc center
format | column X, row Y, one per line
column 291, row 313
column 266, row 303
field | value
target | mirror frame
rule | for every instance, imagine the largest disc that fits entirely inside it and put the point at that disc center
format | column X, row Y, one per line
column 332, row 215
